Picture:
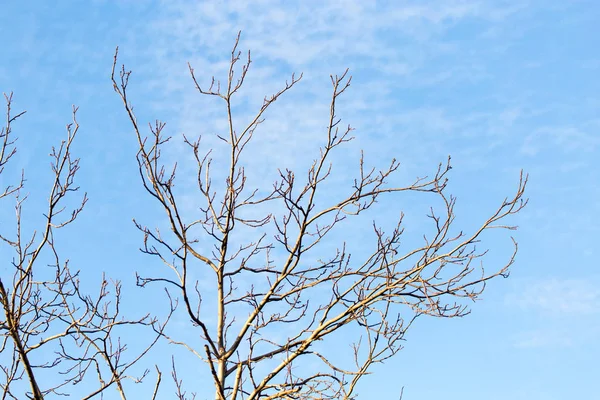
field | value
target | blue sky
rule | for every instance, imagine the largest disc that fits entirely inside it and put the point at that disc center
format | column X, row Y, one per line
column 499, row 85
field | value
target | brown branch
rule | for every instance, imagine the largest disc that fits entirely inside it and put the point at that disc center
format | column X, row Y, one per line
column 381, row 293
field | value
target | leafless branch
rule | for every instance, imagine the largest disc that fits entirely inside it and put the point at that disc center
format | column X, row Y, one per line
column 48, row 323
column 379, row 294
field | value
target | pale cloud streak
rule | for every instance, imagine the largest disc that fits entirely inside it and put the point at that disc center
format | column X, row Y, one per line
column 389, row 48
column 570, row 297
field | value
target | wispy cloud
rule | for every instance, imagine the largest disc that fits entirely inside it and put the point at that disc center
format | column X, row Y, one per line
column 499, row 85
column 567, row 138
column 398, row 52
column 555, row 313
column 558, row 297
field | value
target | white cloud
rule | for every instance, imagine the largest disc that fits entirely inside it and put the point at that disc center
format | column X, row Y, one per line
column 558, row 297
column 567, row 138
column 391, row 46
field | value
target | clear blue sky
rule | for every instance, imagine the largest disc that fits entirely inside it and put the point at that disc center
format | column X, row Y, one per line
column 499, row 85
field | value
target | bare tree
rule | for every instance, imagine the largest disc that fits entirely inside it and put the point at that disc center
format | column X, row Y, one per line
column 53, row 335
column 256, row 295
